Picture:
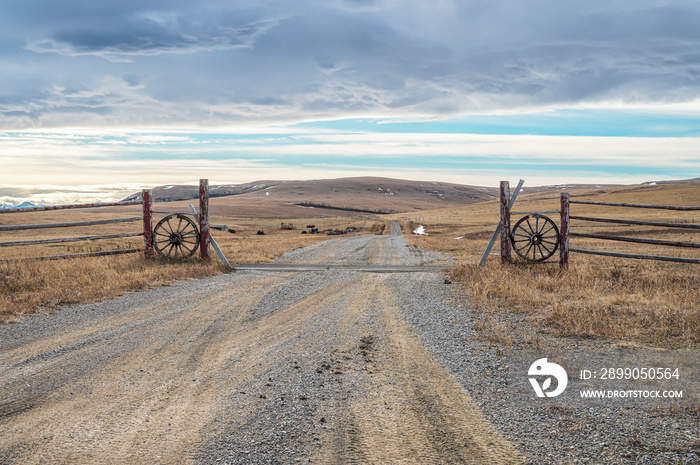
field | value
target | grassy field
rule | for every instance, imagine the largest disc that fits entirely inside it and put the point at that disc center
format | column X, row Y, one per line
column 28, row 285
column 635, row 302
column 632, row 301
column 280, row 198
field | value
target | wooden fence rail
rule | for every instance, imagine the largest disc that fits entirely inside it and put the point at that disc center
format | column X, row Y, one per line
column 637, row 240
column 566, row 233
column 101, row 253
column 639, row 223
column 66, row 207
column 636, row 205
column 205, row 238
column 68, row 239
column 146, row 233
column 22, row 227
column 637, row 256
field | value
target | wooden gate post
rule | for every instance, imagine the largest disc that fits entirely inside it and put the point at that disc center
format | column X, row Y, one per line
column 204, row 232
column 564, row 232
column 505, row 222
column 147, row 201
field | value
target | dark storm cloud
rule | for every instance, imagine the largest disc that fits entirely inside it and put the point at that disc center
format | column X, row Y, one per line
column 151, row 34
column 212, row 62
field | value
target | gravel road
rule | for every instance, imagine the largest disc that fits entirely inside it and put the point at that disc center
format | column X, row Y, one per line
column 249, row 367
column 257, row 367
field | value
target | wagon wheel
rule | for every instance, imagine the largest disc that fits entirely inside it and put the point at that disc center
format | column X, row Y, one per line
column 176, row 237
column 535, row 238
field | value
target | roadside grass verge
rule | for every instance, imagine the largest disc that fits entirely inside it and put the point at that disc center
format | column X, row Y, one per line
column 631, row 301
column 42, row 286
column 641, row 303
column 28, row 286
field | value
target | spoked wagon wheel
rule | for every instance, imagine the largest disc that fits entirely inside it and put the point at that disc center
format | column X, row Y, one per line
column 535, row 238
column 176, row 237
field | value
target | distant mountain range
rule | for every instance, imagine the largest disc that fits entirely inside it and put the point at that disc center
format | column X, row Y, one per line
column 21, row 205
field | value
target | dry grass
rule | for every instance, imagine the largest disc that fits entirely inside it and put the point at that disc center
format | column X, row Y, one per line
column 245, row 246
column 28, row 286
column 630, row 300
column 645, row 302
column 364, row 193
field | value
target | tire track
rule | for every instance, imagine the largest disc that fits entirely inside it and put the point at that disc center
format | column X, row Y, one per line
column 245, row 368
column 152, row 402
column 407, row 408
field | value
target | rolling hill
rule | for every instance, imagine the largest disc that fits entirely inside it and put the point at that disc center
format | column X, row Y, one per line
column 325, row 197
column 347, row 196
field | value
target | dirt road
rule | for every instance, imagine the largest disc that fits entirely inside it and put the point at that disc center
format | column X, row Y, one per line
column 250, row 367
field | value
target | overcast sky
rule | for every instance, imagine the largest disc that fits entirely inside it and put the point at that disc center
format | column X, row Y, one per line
column 83, row 80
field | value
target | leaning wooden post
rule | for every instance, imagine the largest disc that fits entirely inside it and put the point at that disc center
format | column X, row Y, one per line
column 564, row 232
column 204, row 233
column 147, row 201
column 505, row 222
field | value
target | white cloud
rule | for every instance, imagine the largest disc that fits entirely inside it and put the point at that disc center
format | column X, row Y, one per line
column 242, row 67
column 152, row 33
column 60, row 194
column 45, row 157
column 222, row 63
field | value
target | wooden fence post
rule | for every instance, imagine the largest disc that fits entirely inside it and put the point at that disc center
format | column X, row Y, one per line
column 505, row 222
column 147, row 201
column 564, row 232
column 204, row 232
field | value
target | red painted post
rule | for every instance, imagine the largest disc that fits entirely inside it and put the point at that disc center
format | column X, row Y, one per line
column 147, row 201
column 204, row 232
column 564, row 232
column 505, row 222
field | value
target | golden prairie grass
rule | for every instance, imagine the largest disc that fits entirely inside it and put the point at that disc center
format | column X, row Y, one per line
column 645, row 302
column 598, row 297
column 246, row 246
column 28, row 285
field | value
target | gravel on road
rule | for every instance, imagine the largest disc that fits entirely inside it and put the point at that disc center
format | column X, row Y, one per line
column 324, row 366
